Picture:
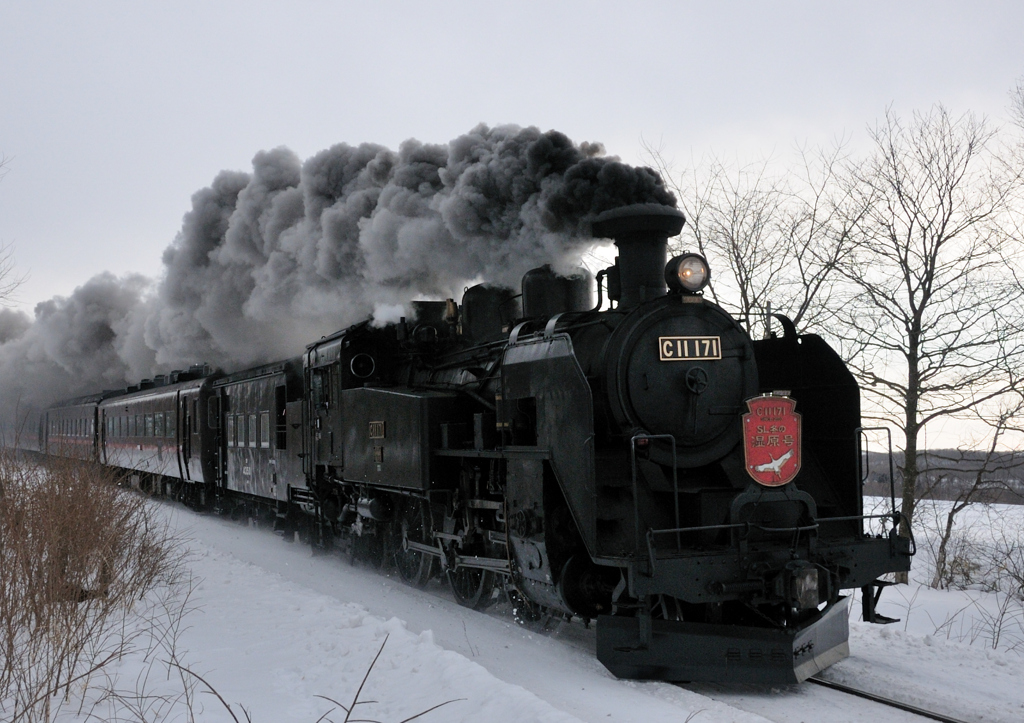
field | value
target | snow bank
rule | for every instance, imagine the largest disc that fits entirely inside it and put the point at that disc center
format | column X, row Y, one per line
column 274, row 647
column 274, row 627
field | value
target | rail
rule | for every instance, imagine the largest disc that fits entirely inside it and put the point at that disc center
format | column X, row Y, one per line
column 899, row 705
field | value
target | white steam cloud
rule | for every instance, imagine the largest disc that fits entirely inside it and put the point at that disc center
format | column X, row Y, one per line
column 267, row 261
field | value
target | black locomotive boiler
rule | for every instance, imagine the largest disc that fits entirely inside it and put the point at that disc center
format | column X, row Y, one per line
column 648, row 466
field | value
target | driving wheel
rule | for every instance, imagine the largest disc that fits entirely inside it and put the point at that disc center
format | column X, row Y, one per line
column 471, row 586
column 414, row 567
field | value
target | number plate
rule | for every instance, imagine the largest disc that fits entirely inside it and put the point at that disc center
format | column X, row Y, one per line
column 689, row 348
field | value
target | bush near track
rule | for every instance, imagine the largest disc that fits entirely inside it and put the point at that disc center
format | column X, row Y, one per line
column 78, row 555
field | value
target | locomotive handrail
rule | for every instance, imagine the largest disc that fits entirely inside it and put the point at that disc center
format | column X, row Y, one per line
column 600, row 299
column 850, row 518
column 636, row 490
column 735, row 525
column 747, row 526
column 517, row 331
column 513, row 338
column 892, row 470
column 507, row 452
column 763, row 528
column 549, row 328
column 554, row 321
column 651, row 554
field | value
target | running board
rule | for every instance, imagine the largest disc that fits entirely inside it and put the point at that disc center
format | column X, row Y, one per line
column 681, row 651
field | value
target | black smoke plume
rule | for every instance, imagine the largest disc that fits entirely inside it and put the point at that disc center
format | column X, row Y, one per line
column 267, row 261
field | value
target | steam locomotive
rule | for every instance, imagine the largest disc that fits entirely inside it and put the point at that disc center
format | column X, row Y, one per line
column 649, row 465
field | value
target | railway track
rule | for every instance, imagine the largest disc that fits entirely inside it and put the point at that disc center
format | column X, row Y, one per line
column 832, row 685
column 797, row 702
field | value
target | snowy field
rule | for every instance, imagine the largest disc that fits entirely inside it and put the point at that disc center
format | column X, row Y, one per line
column 282, row 635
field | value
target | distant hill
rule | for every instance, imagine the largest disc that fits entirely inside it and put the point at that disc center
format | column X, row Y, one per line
column 947, row 473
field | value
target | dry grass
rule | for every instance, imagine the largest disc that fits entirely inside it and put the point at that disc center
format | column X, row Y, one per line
column 94, row 592
column 78, row 555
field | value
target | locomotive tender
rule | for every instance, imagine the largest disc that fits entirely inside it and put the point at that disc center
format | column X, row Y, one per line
column 649, row 466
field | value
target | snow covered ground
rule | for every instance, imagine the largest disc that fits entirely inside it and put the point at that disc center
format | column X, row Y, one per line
column 277, row 632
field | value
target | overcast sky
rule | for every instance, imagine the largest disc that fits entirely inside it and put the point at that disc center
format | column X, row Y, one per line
column 113, row 114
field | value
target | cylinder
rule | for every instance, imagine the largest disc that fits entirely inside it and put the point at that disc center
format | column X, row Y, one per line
column 373, row 508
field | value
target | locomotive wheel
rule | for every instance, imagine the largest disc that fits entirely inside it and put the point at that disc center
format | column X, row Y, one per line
column 415, row 568
column 471, row 586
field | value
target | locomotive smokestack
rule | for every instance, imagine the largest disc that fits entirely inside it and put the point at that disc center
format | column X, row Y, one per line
column 641, row 234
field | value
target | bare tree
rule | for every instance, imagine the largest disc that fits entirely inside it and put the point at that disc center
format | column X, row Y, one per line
column 9, row 281
column 739, row 224
column 1017, row 103
column 988, row 476
column 732, row 218
column 774, row 240
column 932, row 323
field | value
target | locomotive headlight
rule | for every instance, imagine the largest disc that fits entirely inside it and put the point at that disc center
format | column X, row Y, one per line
column 688, row 273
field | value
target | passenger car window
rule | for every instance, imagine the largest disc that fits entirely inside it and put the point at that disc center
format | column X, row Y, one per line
column 264, row 429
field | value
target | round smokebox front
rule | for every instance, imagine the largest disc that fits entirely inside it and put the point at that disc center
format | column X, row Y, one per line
column 684, row 369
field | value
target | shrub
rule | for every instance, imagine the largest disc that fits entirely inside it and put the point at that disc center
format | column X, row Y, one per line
column 77, row 554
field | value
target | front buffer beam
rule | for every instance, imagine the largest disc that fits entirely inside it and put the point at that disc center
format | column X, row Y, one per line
column 681, row 651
